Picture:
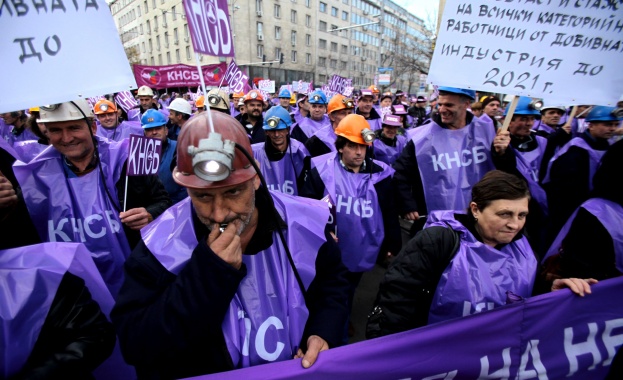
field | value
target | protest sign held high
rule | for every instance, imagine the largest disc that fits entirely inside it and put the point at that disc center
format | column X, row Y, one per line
column 44, row 45
column 236, row 78
column 210, row 31
column 546, row 49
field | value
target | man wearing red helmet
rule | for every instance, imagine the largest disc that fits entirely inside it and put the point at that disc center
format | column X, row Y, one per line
column 213, row 286
column 252, row 120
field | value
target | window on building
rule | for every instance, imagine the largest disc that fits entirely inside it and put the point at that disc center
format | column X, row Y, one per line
column 153, row 61
column 334, row 27
column 150, row 46
column 143, row 46
column 153, row 4
column 186, row 31
column 308, row 3
column 322, row 61
column 334, row 46
column 308, row 59
column 345, row 2
column 148, row 27
column 343, row 65
column 308, row 39
column 277, row 54
column 168, row 58
column 145, row 5
column 140, row 29
column 323, row 7
column 344, row 49
column 176, row 37
column 158, row 42
column 293, row 37
column 334, row 11
column 322, row 78
column 166, row 39
column 177, row 56
column 155, row 23
column 138, row 9
column 344, row 15
column 293, row 16
column 308, row 21
column 322, row 26
column 293, row 56
column 333, row 63
column 258, row 5
column 322, row 44
column 164, row 19
column 173, row 13
column 260, row 51
column 277, row 11
column 160, row 59
column 277, row 32
column 188, row 56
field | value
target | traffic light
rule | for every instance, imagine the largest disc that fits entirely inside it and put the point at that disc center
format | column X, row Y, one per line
column 281, row 59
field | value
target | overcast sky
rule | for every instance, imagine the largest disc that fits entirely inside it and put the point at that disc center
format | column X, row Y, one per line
column 424, row 9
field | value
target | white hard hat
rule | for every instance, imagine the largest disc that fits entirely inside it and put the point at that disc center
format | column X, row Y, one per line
column 145, row 91
column 241, row 102
column 65, row 111
column 509, row 98
column 559, row 108
column 181, row 105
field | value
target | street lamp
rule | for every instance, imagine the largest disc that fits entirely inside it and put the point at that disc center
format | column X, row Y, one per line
column 356, row 26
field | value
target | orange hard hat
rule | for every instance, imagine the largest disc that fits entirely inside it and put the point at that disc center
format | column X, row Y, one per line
column 200, row 102
column 253, row 95
column 353, row 127
column 375, row 90
column 238, row 95
column 104, row 106
column 191, row 145
column 339, row 102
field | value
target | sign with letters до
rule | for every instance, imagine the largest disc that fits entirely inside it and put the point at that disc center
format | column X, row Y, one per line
column 564, row 51
column 47, row 51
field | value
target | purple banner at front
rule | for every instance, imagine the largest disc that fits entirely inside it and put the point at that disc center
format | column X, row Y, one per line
column 144, row 158
column 557, row 335
column 210, row 31
column 126, row 100
column 178, row 75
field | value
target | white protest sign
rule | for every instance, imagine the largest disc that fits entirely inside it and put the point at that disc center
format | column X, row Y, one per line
column 568, row 50
column 266, row 85
column 64, row 49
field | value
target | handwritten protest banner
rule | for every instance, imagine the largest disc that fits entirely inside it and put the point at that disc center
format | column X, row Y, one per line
column 178, row 75
column 554, row 336
column 266, row 85
column 566, row 51
column 144, row 157
column 46, row 44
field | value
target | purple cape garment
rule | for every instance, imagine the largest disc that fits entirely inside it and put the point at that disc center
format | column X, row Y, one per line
column 30, row 277
column 610, row 214
column 360, row 227
column 28, row 149
column 594, row 158
column 309, row 126
column 451, row 162
column 282, row 175
column 389, row 154
column 375, row 124
column 121, row 131
column 528, row 164
column 266, row 317
column 67, row 208
column 327, row 135
column 479, row 276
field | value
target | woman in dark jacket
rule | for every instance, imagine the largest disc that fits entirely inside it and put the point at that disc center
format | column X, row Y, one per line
column 428, row 281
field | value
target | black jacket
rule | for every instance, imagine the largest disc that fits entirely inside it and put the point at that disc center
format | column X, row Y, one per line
column 170, row 326
column 256, row 133
column 76, row 336
column 143, row 191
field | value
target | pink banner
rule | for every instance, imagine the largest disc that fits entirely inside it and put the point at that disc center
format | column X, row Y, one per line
column 178, row 75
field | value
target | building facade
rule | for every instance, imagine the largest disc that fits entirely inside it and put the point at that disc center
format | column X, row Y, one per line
column 307, row 40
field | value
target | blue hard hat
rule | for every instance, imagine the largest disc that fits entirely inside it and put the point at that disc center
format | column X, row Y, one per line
column 285, row 93
column 460, row 91
column 525, row 106
column 602, row 113
column 275, row 118
column 153, row 118
column 317, row 97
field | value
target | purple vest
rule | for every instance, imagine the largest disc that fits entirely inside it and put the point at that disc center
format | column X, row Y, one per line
column 267, row 315
column 28, row 149
column 375, row 124
column 479, row 276
column 451, row 162
column 610, row 214
column 309, row 126
column 66, row 208
column 538, row 126
column 134, row 114
column 528, row 164
column 281, row 175
column 594, row 158
column 26, row 135
column 389, row 154
column 360, row 228
column 327, row 135
column 122, row 131
column 39, row 270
